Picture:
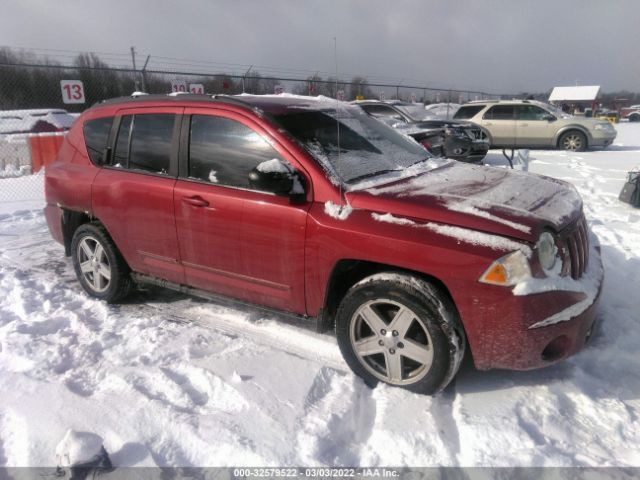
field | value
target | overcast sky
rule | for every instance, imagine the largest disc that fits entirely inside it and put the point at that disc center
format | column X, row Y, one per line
column 496, row 46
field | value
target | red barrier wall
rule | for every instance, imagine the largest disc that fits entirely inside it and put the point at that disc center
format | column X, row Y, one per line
column 44, row 149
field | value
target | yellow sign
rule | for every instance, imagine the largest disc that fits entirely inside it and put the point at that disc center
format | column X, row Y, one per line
column 359, row 97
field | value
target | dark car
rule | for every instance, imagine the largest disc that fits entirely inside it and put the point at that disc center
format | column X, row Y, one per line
column 316, row 210
column 461, row 141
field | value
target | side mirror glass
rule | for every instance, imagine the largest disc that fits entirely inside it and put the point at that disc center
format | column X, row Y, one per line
column 275, row 176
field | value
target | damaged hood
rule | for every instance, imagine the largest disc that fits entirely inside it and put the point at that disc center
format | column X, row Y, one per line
column 496, row 200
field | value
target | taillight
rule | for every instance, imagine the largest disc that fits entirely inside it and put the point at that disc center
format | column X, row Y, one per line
column 426, row 144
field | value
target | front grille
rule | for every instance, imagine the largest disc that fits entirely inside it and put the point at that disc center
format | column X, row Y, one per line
column 576, row 250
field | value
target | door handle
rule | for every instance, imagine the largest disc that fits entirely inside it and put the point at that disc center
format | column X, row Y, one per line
column 195, row 201
column 524, row 124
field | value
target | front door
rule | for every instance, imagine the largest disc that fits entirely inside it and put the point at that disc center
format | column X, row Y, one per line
column 234, row 239
column 533, row 128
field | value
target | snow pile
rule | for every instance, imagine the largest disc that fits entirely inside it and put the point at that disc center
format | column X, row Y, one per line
column 77, row 448
column 339, row 212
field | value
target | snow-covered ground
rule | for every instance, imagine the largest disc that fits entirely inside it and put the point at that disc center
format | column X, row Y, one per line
column 170, row 380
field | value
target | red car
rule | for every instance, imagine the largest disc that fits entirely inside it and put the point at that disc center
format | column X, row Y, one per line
column 313, row 208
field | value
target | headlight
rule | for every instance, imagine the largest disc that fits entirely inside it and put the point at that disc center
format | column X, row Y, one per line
column 547, row 252
column 508, row 270
column 603, row 126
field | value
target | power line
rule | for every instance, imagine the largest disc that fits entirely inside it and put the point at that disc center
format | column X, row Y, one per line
column 122, row 60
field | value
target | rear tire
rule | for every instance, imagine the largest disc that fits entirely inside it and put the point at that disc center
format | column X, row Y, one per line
column 634, row 117
column 573, row 140
column 98, row 264
column 401, row 330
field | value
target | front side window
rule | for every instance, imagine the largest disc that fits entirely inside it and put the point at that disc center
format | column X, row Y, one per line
column 96, row 133
column 499, row 112
column 144, row 142
column 224, row 151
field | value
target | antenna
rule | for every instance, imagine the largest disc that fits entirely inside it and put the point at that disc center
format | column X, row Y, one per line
column 335, row 58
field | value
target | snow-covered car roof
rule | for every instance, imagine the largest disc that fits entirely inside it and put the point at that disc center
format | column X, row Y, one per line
column 23, row 121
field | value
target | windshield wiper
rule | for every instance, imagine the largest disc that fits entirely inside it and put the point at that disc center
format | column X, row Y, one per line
column 374, row 174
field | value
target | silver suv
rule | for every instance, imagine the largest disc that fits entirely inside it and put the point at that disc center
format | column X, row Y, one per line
column 531, row 124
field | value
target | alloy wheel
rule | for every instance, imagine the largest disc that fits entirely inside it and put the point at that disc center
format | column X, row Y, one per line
column 94, row 264
column 391, row 342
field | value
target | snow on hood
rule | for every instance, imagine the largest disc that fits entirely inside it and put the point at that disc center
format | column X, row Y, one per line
column 505, row 202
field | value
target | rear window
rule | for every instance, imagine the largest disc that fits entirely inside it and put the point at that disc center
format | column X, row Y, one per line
column 96, row 133
column 466, row 112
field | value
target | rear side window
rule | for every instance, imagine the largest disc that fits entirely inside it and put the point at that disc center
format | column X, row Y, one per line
column 150, row 148
column 499, row 112
column 144, row 142
column 96, row 133
column 121, row 155
column 466, row 112
column 224, row 151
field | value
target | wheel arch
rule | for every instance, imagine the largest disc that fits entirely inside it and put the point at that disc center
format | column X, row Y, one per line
column 568, row 128
column 348, row 272
column 71, row 220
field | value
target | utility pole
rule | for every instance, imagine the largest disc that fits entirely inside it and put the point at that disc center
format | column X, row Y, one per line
column 244, row 76
column 133, row 60
column 144, row 80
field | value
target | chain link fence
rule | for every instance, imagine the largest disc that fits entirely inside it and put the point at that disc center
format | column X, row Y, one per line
column 39, row 102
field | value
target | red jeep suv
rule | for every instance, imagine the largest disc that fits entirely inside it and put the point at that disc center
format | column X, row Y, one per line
column 310, row 207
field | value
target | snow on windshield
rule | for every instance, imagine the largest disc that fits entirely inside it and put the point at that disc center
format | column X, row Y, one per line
column 349, row 144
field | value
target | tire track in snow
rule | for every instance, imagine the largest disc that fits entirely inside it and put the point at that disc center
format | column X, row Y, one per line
column 337, row 420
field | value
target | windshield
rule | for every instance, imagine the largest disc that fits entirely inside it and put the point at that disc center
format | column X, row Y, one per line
column 367, row 146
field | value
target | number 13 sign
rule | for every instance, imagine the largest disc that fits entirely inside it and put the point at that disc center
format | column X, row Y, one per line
column 72, row 91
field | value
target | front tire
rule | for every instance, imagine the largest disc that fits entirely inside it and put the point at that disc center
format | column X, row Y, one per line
column 401, row 330
column 573, row 140
column 98, row 264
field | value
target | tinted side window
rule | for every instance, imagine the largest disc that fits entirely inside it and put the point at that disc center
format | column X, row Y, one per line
column 96, row 133
column 224, row 151
column 466, row 112
column 530, row 112
column 499, row 112
column 121, row 155
column 151, row 137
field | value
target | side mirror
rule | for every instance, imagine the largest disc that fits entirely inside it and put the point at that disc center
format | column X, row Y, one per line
column 549, row 118
column 274, row 176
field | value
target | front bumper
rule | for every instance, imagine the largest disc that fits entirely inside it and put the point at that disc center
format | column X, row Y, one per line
column 602, row 138
column 536, row 330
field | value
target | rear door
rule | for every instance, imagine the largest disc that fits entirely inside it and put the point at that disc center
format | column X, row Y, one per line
column 532, row 128
column 233, row 239
column 499, row 120
column 133, row 194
